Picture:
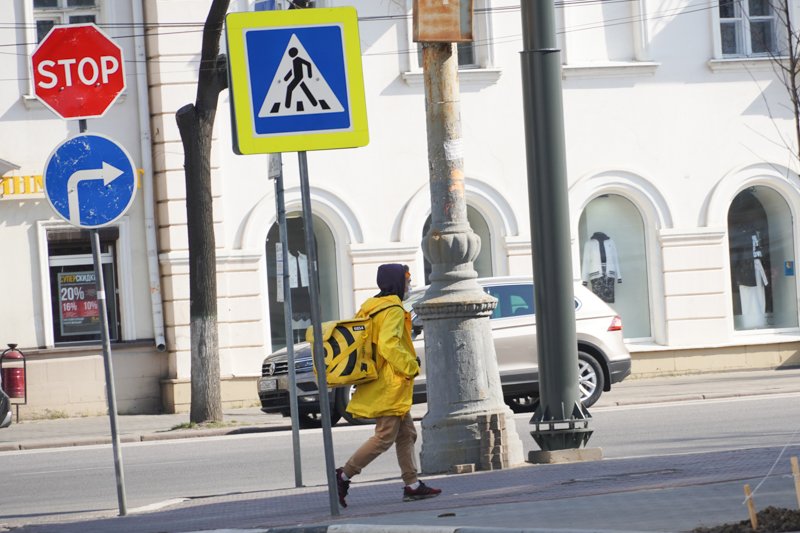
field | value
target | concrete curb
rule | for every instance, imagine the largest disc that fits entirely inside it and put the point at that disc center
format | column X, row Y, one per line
column 68, row 442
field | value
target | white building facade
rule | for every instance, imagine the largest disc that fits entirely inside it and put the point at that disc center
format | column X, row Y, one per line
column 680, row 152
column 46, row 259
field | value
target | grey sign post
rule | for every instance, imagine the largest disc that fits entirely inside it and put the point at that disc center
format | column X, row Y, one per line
column 107, row 178
column 308, row 114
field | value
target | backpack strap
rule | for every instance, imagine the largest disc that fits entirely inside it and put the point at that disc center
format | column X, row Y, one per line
column 379, row 311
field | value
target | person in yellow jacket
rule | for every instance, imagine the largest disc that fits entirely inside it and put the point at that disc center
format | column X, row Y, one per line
column 387, row 399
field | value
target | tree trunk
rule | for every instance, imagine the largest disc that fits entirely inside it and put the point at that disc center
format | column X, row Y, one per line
column 195, row 129
column 196, row 124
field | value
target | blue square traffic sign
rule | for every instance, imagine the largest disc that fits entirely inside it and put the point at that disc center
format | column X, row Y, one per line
column 316, row 78
column 296, row 81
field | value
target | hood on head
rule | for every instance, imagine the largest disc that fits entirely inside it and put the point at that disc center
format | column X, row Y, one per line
column 392, row 280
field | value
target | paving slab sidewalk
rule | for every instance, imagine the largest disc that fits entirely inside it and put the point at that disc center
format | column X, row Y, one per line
column 667, row 493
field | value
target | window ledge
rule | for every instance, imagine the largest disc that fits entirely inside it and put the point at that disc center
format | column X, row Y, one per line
column 739, row 338
column 31, row 102
column 744, row 63
column 81, row 348
column 479, row 76
column 607, row 70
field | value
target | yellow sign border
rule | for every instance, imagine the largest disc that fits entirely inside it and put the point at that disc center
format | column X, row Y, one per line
column 245, row 140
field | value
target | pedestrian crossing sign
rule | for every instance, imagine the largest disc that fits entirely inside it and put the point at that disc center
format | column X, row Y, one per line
column 296, row 82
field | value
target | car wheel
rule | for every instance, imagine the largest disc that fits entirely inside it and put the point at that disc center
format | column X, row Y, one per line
column 309, row 420
column 522, row 404
column 590, row 379
column 343, row 395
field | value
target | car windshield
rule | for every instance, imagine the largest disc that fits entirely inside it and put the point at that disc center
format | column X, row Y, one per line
column 515, row 299
column 512, row 300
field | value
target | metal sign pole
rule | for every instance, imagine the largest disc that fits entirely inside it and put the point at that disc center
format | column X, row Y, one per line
column 316, row 324
column 276, row 173
column 112, row 397
column 107, row 364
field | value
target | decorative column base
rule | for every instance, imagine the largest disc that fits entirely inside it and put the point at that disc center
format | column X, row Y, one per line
column 467, row 420
column 483, row 440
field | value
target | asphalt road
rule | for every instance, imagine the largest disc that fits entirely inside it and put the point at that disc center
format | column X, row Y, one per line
column 72, row 480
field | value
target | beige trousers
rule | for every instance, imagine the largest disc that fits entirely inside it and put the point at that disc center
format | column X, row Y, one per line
column 397, row 430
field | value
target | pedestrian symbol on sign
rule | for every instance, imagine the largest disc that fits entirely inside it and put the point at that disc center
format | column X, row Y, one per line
column 296, row 80
column 298, row 87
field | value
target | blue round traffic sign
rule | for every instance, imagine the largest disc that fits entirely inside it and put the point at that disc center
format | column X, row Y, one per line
column 90, row 180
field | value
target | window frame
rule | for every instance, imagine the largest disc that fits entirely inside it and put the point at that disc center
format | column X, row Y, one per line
column 63, row 14
column 102, row 11
column 481, row 70
column 122, row 261
column 743, row 28
column 80, row 263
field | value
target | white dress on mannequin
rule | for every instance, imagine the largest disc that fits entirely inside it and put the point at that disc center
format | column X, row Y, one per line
column 753, row 299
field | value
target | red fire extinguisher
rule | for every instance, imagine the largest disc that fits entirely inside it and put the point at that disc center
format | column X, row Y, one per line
column 14, row 367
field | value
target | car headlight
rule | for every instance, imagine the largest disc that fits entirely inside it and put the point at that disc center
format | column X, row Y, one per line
column 303, row 366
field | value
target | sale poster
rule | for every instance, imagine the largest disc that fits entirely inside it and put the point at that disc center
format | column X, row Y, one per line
column 77, row 296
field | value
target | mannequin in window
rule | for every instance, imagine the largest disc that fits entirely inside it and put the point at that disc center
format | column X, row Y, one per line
column 748, row 272
column 600, row 269
column 297, row 267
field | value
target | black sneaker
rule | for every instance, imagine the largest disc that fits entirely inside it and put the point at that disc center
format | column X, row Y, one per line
column 342, row 487
column 420, row 493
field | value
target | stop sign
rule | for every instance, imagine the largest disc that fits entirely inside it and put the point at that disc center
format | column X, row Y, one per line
column 78, row 71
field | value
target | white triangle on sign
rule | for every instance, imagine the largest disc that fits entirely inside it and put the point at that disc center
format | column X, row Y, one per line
column 298, row 87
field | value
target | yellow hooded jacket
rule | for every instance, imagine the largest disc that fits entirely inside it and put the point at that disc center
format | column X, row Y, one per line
column 390, row 394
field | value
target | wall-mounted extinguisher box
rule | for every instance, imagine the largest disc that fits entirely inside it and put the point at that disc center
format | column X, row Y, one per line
column 13, row 369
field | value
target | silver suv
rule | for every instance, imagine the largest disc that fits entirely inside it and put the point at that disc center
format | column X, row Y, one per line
column 603, row 358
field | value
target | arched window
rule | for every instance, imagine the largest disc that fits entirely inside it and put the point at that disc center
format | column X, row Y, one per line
column 482, row 263
column 297, row 267
column 613, row 260
column 760, row 244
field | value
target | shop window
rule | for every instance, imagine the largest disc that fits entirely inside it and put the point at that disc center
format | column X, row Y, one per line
column 614, row 262
column 49, row 13
column 296, row 266
column 73, row 290
column 761, row 250
column 482, row 263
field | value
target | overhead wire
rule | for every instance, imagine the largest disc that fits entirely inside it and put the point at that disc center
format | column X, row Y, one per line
column 179, row 28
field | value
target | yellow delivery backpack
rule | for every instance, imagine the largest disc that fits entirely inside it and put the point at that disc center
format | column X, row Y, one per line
column 349, row 350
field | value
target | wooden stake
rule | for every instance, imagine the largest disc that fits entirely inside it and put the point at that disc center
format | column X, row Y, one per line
column 751, row 509
column 796, row 474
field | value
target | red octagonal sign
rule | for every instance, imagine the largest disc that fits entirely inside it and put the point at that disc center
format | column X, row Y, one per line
column 78, row 71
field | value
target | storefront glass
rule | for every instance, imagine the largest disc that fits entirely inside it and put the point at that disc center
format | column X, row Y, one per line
column 76, row 314
column 297, row 267
column 614, row 262
column 761, row 249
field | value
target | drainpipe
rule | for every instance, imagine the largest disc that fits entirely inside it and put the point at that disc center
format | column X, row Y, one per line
column 145, row 140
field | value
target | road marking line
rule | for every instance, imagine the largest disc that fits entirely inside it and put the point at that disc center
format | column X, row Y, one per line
column 158, row 505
